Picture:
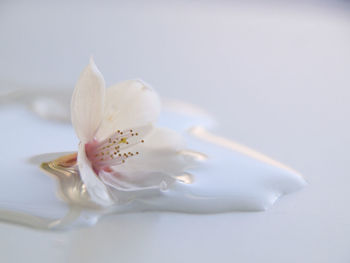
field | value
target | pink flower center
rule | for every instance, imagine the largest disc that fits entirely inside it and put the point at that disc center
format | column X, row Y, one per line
column 111, row 151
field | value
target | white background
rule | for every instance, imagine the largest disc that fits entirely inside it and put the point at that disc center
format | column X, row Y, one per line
column 275, row 75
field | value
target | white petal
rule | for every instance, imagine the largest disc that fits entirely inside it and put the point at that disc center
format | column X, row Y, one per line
column 160, row 154
column 122, row 190
column 88, row 102
column 131, row 103
column 150, row 172
column 96, row 189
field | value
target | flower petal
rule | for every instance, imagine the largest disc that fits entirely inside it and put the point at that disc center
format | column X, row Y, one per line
column 123, row 191
column 96, row 189
column 161, row 154
column 159, row 161
column 87, row 103
column 131, row 103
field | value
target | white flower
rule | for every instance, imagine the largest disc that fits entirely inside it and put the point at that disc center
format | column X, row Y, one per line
column 121, row 154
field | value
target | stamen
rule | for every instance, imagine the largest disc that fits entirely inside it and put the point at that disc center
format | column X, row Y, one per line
column 109, row 152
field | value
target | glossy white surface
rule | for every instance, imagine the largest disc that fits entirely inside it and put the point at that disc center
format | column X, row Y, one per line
column 275, row 77
column 228, row 177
